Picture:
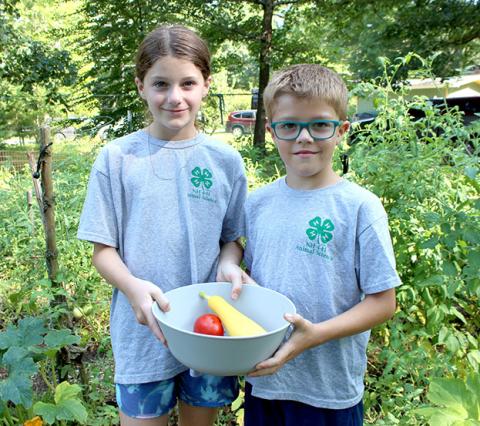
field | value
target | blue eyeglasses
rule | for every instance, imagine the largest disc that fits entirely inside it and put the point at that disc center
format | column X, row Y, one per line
column 319, row 130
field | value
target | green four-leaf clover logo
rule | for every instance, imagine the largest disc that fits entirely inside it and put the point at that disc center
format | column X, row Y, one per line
column 202, row 178
column 320, row 230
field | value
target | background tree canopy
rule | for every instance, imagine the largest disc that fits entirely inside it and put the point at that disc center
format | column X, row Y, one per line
column 77, row 57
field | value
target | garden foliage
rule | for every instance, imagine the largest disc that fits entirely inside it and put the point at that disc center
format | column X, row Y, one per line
column 423, row 364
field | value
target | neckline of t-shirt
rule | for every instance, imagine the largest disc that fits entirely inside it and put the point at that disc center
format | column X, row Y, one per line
column 309, row 192
column 181, row 144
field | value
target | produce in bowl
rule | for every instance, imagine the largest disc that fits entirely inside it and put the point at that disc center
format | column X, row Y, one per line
column 223, row 355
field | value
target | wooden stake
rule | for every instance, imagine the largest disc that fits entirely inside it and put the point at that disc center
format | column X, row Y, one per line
column 36, row 184
column 48, row 203
column 30, row 211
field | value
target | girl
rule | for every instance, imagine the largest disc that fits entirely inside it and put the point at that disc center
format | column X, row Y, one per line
column 163, row 209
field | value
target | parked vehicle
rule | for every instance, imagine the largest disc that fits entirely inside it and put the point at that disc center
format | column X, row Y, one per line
column 241, row 122
column 470, row 106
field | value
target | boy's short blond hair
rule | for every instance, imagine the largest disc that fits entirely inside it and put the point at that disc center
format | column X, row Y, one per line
column 307, row 81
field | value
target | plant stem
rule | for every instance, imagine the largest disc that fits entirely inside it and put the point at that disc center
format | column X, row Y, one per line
column 45, row 378
column 8, row 417
column 54, row 375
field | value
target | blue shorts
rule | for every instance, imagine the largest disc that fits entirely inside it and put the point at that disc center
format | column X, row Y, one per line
column 149, row 400
column 265, row 412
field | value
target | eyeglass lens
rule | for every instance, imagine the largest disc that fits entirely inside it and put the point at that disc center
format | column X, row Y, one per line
column 317, row 130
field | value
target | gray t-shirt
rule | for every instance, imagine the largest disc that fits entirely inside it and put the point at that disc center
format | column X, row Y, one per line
column 324, row 249
column 165, row 206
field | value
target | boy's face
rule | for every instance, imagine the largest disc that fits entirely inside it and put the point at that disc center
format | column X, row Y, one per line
column 308, row 161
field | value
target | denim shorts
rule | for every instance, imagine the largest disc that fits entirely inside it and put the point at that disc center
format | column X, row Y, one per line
column 265, row 412
column 154, row 399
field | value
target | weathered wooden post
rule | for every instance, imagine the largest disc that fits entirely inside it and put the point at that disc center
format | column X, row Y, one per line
column 36, row 184
column 46, row 201
column 45, row 161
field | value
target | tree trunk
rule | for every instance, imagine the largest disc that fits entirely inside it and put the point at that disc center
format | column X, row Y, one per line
column 264, row 72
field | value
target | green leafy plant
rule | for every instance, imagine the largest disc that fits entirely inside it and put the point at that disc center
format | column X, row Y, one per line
column 454, row 402
column 26, row 349
column 67, row 405
column 427, row 177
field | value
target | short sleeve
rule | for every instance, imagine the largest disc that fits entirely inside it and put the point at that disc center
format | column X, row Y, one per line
column 98, row 222
column 233, row 224
column 375, row 260
column 247, row 253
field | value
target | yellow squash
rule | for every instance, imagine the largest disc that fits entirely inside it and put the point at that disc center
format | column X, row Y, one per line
column 236, row 323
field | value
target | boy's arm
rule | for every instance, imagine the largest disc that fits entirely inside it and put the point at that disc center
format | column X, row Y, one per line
column 373, row 310
column 140, row 293
column 229, row 267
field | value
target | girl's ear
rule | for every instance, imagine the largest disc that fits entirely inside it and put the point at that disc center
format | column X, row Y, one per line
column 140, row 87
column 206, row 86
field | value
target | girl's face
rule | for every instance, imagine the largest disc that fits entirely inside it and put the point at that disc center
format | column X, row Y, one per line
column 173, row 89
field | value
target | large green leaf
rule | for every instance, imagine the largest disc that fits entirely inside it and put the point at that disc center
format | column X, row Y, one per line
column 67, row 405
column 450, row 393
column 60, row 338
column 17, row 386
column 473, row 387
column 29, row 332
column 458, row 402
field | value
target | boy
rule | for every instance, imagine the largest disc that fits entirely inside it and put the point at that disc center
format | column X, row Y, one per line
column 324, row 243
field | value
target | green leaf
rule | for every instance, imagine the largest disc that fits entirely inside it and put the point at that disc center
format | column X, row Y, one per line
column 451, row 394
column 18, row 360
column 430, row 243
column 47, row 411
column 29, row 332
column 449, row 268
column 437, row 416
column 474, row 259
column 471, row 172
column 471, row 235
column 60, row 338
column 452, row 343
column 67, row 405
column 473, row 386
column 458, row 314
column 17, row 386
column 433, row 280
column 432, row 218
column 66, row 391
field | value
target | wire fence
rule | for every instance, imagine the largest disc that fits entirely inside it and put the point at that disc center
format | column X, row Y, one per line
column 17, row 160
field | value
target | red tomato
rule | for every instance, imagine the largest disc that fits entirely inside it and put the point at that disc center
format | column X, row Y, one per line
column 208, row 324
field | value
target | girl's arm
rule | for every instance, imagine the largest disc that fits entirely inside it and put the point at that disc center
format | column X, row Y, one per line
column 373, row 310
column 140, row 293
column 229, row 267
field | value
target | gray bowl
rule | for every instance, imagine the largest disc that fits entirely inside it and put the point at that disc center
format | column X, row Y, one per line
column 223, row 355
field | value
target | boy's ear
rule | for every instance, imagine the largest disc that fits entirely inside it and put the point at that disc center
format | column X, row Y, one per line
column 140, row 87
column 269, row 128
column 344, row 128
